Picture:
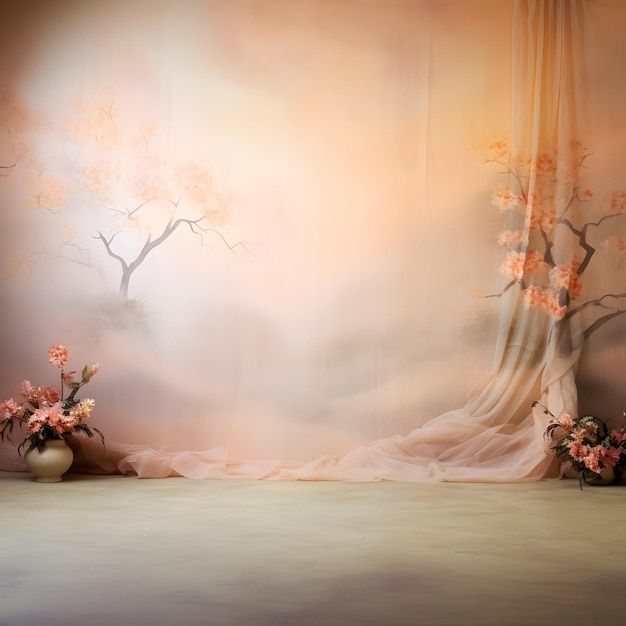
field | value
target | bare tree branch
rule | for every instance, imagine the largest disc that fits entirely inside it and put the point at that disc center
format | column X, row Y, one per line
column 600, row 322
column 16, row 157
column 506, row 288
column 516, row 176
column 581, row 233
column 107, row 245
column 83, row 251
column 547, row 256
column 9, row 167
column 595, row 302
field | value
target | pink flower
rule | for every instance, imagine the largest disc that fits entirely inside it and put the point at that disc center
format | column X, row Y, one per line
column 618, row 436
column 89, row 371
column 557, row 311
column 536, row 297
column 52, row 417
column 513, row 265
column 618, row 201
column 534, row 262
column 36, row 422
column 566, row 277
column 511, row 238
column 577, row 450
column 545, row 163
column 58, row 355
column 611, row 456
column 518, row 264
column 48, row 394
column 39, row 395
column 504, row 199
column 500, row 149
column 545, row 220
column 10, row 409
column 593, row 458
column 68, row 378
column 82, row 410
column 565, row 419
column 544, row 300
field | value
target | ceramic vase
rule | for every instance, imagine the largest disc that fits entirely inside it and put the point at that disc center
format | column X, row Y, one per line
column 606, row 477
column 50, row 463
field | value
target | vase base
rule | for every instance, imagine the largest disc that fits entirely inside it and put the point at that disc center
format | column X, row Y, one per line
column 48, row 480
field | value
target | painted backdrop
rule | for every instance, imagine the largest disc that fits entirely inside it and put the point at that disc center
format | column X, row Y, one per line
column 274, row 224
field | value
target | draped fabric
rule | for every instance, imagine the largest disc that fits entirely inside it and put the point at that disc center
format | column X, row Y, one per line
column 430, row 168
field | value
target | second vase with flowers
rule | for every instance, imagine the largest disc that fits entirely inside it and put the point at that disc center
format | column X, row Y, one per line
column 587, row 446
column 51, row 416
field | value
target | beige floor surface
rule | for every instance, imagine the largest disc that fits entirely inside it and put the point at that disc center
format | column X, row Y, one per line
column 95, row 551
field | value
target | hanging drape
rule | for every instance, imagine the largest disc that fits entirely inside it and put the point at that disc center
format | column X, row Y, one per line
column 353, row 151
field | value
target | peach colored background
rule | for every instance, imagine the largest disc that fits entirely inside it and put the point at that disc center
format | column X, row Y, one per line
column 346, row 142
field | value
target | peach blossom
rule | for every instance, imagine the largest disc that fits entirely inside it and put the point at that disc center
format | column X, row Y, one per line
column 566, row 420
column 566, row 277
column 511, row 238
column 534, row 262
column 10, row 409
column 618, row 201
column 537, row 297
column 556, row 310
column 500, row 149
column 39, row 395
column 545, row 163
column 83, row 409
column 58, row 355
column 513, row 265
column 619, row 436
column 504, row 199
column 577, row 450
column 543, row 219
column 68, row 377
column 611, row 456
column 518, row 264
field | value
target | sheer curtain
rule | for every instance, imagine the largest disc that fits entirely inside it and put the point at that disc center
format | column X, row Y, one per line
column 354, row 151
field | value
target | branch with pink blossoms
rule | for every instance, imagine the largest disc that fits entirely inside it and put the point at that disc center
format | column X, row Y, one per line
column 548, row 284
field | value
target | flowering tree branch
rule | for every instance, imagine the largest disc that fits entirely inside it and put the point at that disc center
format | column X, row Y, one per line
column 549, row 283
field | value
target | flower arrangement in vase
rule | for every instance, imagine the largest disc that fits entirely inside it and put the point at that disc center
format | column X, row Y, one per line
column 51, row 417
column 587, row 446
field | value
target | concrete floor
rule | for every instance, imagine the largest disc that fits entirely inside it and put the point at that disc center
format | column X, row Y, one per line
column 113, row 550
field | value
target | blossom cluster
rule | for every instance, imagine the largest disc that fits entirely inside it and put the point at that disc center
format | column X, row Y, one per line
column 44, row 413
column 505, row 199
column 58, row 419
column 587, row 443
column 520, row 264
column 544, row 300
column 567, row 277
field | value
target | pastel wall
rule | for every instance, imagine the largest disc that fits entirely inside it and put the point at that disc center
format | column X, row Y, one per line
column 329, row 157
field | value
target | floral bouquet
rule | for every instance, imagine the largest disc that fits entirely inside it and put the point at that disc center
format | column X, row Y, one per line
column 587, row 445
column 48, row 413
